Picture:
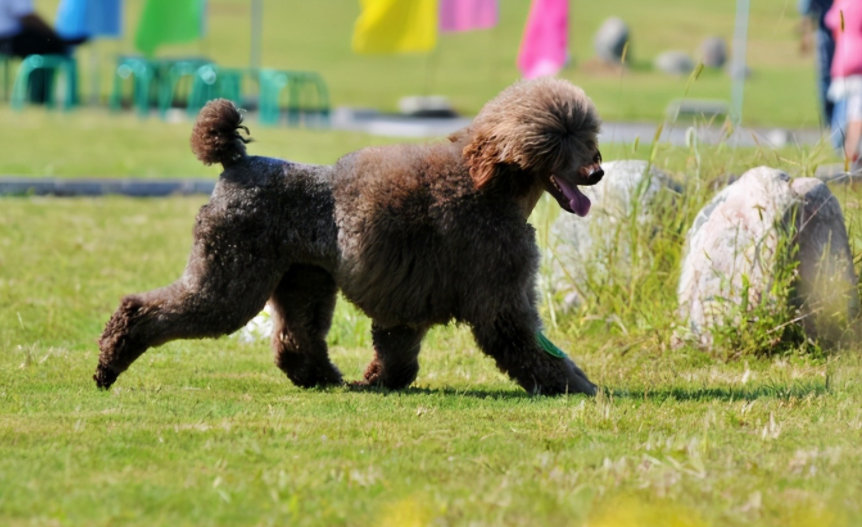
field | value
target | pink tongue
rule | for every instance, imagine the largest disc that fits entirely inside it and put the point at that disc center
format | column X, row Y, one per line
column 577, row 200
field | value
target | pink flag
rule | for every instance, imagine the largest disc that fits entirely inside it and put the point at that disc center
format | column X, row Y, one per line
column 543, row 50
column 467, row 15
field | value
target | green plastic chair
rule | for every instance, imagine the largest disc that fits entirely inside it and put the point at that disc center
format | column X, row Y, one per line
column 57, row 64
column 174, row 75
column 272, row 82
column 141, row 73
column 212, row 82
column 310, row 102
column 307, row 97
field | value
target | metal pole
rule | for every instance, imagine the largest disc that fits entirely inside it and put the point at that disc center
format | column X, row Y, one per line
column 256, row 32
column 95, row 84
column 737, row 65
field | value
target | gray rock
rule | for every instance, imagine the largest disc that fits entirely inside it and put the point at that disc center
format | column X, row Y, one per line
column 827, row 288
column 611, row 39
column 590, row 252
column 674, row 63
column 737, row 238
column 713, row 52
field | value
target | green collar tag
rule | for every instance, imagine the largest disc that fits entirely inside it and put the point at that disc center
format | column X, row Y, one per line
column 549, row 346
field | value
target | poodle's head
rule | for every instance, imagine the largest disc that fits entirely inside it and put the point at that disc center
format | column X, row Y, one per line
column 548, row 128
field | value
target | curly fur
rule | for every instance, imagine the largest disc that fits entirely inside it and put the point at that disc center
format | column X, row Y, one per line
column 535, row 125
column 414, row 235
column 215, row 136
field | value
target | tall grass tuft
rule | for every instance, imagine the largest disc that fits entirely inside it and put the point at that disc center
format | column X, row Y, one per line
column 629, row 286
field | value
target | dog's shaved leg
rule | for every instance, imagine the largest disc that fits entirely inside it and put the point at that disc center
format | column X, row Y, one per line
column 302, row 306
column 227, row 281
column 511, row 339
column 396, row 352
column 192, row 307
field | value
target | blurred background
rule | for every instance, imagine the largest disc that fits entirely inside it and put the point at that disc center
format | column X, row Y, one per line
column 451, row 75
column 470, row 67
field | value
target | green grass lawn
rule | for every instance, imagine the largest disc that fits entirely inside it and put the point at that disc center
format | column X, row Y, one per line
column 470, row 68
column 211, row 433
column 96, row 143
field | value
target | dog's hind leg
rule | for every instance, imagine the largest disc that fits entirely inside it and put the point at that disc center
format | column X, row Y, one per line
column 302, row 306
column 200, row 304
column 396, row 352
column 511, row 339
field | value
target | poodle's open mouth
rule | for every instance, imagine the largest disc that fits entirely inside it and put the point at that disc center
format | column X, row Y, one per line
column 567, row 193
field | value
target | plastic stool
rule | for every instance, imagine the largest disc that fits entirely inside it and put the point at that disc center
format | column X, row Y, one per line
column 309, row 100
column 212, row 82
column 303, row 87
column 141, row 72
column 171, row 73
column 55, row 64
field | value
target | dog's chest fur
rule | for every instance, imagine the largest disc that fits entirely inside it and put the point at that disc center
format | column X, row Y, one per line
column 418, row 244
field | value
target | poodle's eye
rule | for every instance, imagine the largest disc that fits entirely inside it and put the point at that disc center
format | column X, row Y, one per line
column 598, row 158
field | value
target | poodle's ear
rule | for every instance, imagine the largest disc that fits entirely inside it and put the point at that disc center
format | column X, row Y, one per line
column 482, row 158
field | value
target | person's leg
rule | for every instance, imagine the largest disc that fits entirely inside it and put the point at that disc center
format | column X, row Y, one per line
column 851, row 142
column 839, row 125
column 854, row 125
column 825, row 49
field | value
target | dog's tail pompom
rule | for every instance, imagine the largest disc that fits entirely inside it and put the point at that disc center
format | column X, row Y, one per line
column 216, row 136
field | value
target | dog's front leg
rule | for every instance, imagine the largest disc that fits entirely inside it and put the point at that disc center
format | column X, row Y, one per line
column 511, row 338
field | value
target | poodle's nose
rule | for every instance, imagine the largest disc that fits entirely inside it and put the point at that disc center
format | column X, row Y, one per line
column 596, row 176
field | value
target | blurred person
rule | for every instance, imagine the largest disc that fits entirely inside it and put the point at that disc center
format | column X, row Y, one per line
column 23, row 33
column 844, row 18
column 824, row 48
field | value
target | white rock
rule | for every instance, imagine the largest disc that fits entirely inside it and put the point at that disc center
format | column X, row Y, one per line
column 736, row 238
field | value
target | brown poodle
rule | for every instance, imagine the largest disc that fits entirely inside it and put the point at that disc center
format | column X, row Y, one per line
column 413, row 235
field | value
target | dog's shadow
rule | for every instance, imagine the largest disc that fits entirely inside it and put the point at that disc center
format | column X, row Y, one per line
column 478, row 393
column 728, row 394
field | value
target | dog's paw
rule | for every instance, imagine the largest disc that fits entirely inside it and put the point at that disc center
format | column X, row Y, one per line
column 104, row 377
column 577, row 379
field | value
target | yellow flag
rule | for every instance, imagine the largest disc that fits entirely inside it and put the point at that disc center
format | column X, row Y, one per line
column 396, row 26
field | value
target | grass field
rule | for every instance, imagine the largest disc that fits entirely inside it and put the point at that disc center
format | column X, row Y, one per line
column 95, row 143
column 211, row 433
column 470, row 68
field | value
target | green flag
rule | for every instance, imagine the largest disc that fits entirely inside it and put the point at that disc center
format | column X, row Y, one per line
column 168, row 22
